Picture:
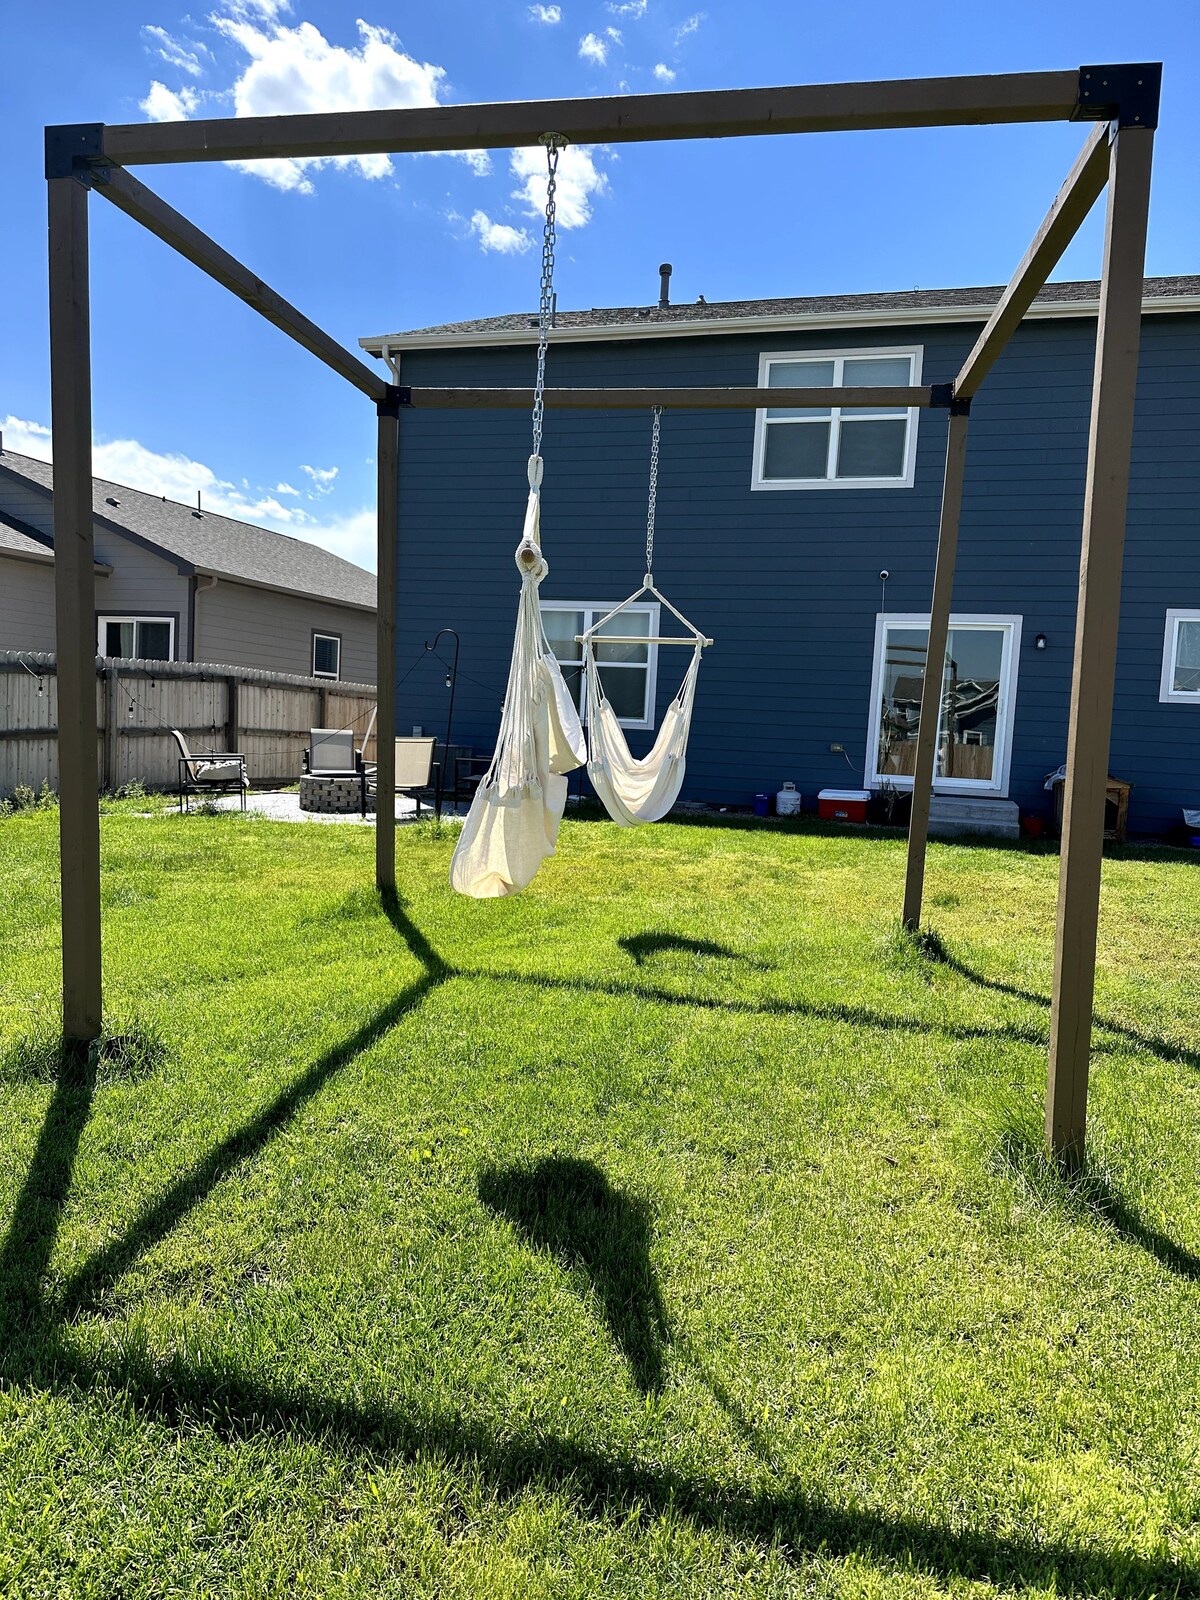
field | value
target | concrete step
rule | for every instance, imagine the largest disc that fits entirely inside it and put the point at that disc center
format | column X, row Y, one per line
column 952, row 815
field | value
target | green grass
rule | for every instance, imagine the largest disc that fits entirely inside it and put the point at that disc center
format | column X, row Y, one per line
column 676, row 1228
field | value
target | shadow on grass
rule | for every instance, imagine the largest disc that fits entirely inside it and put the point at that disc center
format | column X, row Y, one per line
column 780, row 1513
column 190, row 1392
column 935, row 948
column 642, row 947
column 855, row 1016
column 1089, row 1191
column 568, row 1209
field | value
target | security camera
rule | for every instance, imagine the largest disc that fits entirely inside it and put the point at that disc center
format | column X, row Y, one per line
column 884, row 575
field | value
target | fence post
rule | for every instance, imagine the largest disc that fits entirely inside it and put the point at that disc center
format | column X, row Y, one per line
column 322, row 708
column 112, row 728
column 232, row 730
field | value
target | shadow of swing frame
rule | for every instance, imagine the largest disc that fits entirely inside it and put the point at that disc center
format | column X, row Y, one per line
column 1122, row 100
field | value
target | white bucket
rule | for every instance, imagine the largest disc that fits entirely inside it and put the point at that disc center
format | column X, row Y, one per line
column 787, row 801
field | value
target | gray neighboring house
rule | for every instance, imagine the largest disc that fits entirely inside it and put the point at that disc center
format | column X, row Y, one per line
column 175, row 584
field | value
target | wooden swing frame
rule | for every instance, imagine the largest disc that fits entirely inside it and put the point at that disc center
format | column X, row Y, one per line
column 1122, row 100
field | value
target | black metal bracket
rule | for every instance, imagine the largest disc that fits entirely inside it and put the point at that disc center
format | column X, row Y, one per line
column 1126, row 94
column 73, row 150
column 395, row 401
column 942, row 398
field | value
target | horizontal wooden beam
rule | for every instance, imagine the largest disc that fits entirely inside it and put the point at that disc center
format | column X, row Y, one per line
column 1074, row 200
column 611, row 119
column 457, row 399
column 144, row 206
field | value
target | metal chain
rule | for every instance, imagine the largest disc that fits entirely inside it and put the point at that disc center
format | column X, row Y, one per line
column 650, row 509
column 554, row 142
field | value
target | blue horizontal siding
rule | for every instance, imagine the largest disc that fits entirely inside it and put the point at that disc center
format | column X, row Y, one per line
column 787, row 581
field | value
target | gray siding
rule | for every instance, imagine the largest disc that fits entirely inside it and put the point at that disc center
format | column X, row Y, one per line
column 258, row 628
column 26, row 604
column 142, row 584
column 787, row 581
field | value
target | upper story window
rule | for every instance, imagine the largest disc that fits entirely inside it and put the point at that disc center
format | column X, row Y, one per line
column 327, row 655
column 832, row 447
column 628, row 671
column 136, row 638
column 1181, row 659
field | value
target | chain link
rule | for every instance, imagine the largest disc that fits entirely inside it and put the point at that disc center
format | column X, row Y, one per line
column 554, row 142
column 651, row 505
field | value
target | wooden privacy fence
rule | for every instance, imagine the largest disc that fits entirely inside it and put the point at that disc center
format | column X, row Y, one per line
column 265, row 715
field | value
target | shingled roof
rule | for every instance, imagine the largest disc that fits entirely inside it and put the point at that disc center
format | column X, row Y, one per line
column 902, row 306
column 211, row 543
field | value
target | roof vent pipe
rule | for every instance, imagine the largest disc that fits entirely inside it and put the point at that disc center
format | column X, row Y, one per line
column 664, row 286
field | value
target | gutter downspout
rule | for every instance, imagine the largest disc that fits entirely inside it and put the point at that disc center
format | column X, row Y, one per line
column 211, row 581
column 393, row 361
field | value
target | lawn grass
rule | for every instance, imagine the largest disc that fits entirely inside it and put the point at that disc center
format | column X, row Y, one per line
column 675, row 1228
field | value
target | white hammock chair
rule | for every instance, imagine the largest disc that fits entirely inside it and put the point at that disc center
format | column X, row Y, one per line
column 513, row 822
column 639, row 790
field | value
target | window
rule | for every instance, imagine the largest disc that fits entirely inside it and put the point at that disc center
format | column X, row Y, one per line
column 1181, row 659
column 137, row 638
column 979, row 679
column 829, row 447
column 628, row 672
column 327, row 655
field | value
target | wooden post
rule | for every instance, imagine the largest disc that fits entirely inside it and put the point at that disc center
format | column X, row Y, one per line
column 935, row 655
column 75, row 609
column 388, row 463
column 1118, row 333
column 232, row 714
column 112, row 728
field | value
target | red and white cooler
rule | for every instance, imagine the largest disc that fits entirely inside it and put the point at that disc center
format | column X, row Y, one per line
column 843, row 805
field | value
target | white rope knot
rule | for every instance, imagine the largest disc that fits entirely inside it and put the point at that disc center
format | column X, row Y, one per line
column 534, row 471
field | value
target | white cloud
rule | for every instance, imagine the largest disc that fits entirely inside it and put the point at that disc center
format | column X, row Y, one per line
column 579, row 181
column 499, row 236
column 664, row 73
column 26, row 438
column 593, row 48
column 171, row 51
column 165, row 105
column 547, row 14
column 632, row 9
column 127, row 461
column 352, row 536
column 614, row 34
column 321, row 478
column 296, row 69
column 690, row 26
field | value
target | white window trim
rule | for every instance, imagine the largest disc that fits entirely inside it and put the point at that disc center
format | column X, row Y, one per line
column 1009, row 662
column 1167, row 692
column 915, row 352
column 334, row 677
column 593, row 610
column 105, row 617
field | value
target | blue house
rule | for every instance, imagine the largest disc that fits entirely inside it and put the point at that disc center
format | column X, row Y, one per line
column 804, row 542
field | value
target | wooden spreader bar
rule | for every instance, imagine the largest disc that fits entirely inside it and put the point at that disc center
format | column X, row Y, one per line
column 607, row 119
column 456, row 399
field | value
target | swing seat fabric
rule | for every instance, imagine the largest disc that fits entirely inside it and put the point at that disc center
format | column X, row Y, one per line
column 513, row 822
column 631, row 790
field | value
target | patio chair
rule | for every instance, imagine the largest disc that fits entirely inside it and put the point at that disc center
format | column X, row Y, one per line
column 331, row 753
column 209, row 772
column 414, row 764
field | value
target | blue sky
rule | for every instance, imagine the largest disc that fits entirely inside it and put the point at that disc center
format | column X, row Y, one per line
column 193, row 391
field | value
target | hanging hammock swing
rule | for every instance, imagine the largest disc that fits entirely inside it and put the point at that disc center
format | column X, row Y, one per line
column 513, row 822
column 642, row 790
